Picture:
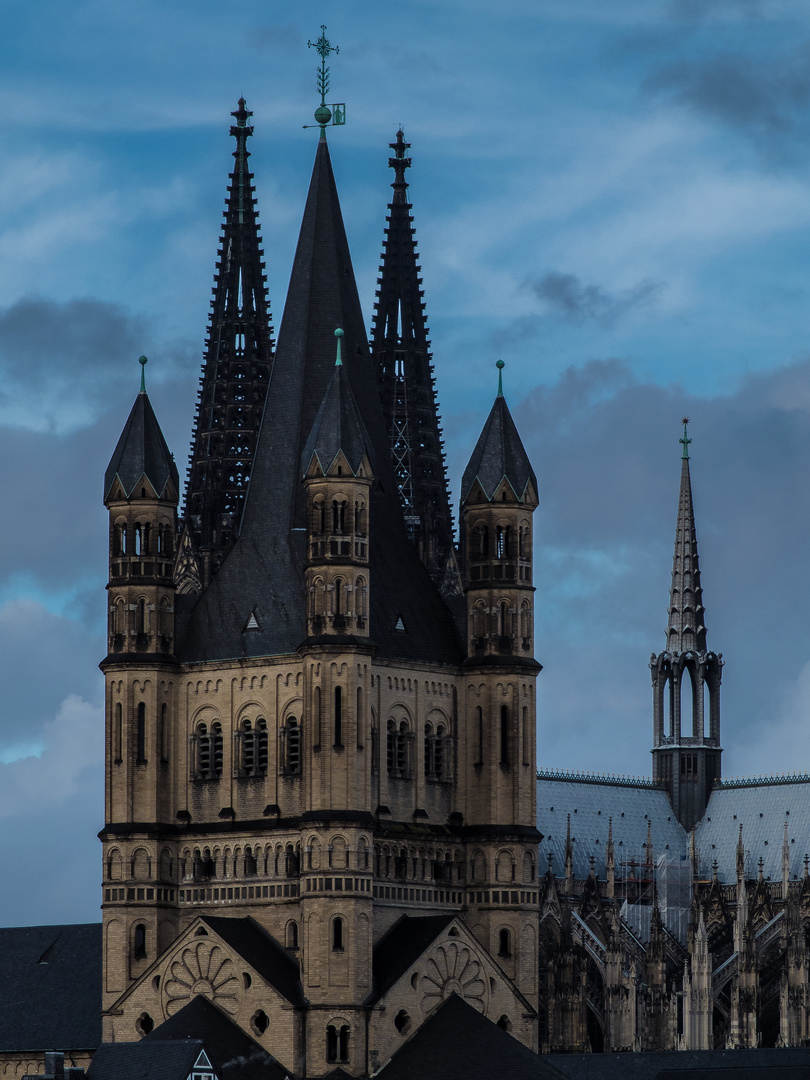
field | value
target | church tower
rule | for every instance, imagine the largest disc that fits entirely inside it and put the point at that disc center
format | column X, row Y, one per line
column 686, row 677
column 401, row 352
column 141, row 489
column 235, row 376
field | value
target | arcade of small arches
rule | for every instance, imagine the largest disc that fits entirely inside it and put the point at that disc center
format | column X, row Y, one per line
column 502, row 623
column 338, row 527
column 337, row 602
column 500, row 551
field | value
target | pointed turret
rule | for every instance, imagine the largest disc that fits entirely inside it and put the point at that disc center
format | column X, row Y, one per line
column 401, row 352
column 686, row 677
column 236, row 371
column 141, row 455
column 264, row 573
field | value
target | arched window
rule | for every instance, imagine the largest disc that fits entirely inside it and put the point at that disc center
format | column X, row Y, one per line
column 398, row 749
column 164, row 732
column 526, row 624
column 251, row 867
column 360, row 602
column 504, row 620
column 316, row 715
column 292, row 934
column 338, row 713
column 203, row 751
column 337, row 1043
column 140, row 735
column 504, row 943
column 338, row 516
column 479, row 724
column 139, row 539
column 216, row 749
column 118, row 734
column 430, row 767
column 337, row 597
column 438, row 753
column 504, row 735
column 247, row 748
column 359, row 718
column 141, row 617
column 139, row 942
column 500, row 542
column 292, row 748
column 479, row 620
column 337, row 934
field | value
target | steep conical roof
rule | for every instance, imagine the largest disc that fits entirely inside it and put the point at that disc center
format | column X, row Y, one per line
column 686, row 628
column 401, row 351
column 499, row 455
column 236, row 369
column 264, row 573
column 338, row 427
column 141, row 451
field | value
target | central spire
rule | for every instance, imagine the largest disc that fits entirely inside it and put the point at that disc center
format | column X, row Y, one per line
column 686, row 629
column 236, row 370
column 401, row 352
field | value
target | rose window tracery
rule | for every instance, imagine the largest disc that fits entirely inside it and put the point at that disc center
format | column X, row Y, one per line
column 201, row 968
column 453, row 969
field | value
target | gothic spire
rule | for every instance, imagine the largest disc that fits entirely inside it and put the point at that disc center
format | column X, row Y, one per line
column 686, row 630
column 236, row 370
column 401, row 353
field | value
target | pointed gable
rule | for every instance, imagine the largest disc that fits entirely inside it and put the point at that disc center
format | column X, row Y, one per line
column 141, row 455
column 499, row 457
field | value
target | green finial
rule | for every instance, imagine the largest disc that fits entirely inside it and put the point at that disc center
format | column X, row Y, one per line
column 143, row 362
column 323, row 114
column 685, row 440
column 338, row 358
column 499, row 364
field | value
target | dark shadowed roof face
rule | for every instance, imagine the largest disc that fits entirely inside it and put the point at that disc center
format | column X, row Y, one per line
column 141, row 449
column 232, row 1051
column 264, row 572
column 402, row 946
column 457, row 1043
column 145, row 1060
column 671, row 1064
column 51, row 979
column 262, row 952
column 499, row 453
column 338, row 427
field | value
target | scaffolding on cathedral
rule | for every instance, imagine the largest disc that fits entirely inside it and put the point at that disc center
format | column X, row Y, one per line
column 669, row 883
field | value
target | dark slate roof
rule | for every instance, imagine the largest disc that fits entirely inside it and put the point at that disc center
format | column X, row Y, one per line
column 264, row 571
column 498, row 453
column 457, row 1043
column 402, row 946
column 144, row 1060
column 51, row 979
column 141, row 449
column 176, row 1044
column 722, row 1064
column 262, row 952
column 763, row 808
column 338, row 426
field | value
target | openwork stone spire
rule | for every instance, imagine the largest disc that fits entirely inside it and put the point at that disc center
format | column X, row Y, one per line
column 686, row 677
column 401, row 352
column 236, row 371
column 686, row 629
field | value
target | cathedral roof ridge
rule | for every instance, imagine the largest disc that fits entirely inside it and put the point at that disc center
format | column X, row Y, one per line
column 765, row 779
column 586, row 777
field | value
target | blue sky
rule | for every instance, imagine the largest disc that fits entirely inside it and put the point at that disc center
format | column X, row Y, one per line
column 614, row 198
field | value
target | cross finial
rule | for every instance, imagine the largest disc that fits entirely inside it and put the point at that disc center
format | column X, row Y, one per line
column 338, row 358
column 499, row 364
column 323, row 114
column 143, row 362
column 685, row 440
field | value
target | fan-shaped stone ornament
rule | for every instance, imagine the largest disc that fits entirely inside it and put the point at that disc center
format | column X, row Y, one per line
column 452, row 968
column 201, row 968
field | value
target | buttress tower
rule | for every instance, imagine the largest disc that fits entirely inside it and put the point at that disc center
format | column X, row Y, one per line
column 686, row 677
column 236, row 371
column 401, row 352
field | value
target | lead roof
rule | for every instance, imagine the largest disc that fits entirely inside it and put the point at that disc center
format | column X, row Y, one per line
column 338, row 427
column 141, row 451
column 264, row 571
column 499, row 454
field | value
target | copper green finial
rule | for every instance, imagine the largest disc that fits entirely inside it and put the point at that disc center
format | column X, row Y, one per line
column 499, row 364
column 338, row 358
column 323, row 114
column 685, row 440
column 143, row 362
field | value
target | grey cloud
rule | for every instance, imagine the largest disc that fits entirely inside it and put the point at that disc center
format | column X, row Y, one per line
column 565, row 296
column 705, row 10
column 764, row 97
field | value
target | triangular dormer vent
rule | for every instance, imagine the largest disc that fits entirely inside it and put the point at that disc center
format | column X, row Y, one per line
column 252, row 623
column 399, row 625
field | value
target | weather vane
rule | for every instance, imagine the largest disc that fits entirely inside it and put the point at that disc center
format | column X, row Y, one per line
column 326, row 114
column 685, row 440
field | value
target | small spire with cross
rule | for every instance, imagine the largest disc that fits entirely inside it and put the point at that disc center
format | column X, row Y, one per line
column 338, row 358
column 685, row 440
column 499, row 364
column 143, row 362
